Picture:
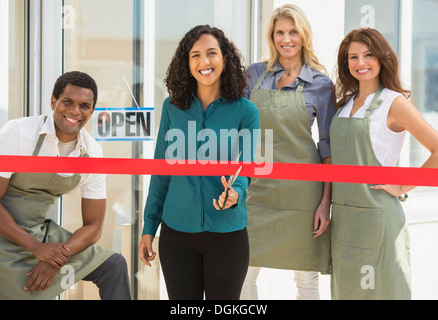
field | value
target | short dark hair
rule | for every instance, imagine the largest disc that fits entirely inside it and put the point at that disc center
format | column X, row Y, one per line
column 180, row 84
column 76, row 78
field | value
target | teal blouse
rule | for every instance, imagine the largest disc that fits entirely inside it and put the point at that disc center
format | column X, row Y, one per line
column 185, row 203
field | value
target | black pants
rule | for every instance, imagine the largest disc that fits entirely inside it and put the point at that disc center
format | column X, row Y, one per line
column 111, row 277
column 207, row 262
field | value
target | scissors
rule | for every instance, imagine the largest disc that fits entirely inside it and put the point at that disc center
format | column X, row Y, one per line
column 230, row 182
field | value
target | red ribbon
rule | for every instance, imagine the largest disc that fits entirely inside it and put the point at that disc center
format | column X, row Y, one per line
column 285, row 171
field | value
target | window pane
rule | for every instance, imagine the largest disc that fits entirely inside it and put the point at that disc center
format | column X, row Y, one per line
column 114, row 41
column 382, row 15
column 12, row 33
column 424, row 69
column 99, row 41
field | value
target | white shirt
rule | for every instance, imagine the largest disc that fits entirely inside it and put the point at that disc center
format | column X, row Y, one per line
column 20, row 136
column 386, row 143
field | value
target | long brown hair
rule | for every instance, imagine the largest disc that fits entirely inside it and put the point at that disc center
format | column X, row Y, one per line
column 347, row 85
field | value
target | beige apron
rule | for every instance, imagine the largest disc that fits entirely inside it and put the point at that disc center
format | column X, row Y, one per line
column 370, row 240
column 28, row 198
column 281, row 212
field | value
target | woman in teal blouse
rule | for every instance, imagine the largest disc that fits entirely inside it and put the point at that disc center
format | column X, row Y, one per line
column 203, row 250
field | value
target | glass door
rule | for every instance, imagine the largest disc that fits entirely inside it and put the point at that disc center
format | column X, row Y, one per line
column 13, row 58
column 126, row 46
column 101, row 39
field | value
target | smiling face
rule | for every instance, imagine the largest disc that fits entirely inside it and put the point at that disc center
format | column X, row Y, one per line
column 362, row 64
column 206, row 62
column 287, row 40
column 72, row 110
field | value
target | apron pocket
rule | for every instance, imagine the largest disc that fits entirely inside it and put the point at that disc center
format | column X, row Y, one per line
column 359, row 227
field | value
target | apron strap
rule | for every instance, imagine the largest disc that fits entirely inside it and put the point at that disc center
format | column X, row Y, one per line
column 39, row 144
column 262, row 77
column 338, row 111
column 300, row 86
column 85, row 155
column 375, row 103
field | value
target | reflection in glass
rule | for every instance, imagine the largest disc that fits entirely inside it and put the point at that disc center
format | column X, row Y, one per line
column 424, row 69
column 99, row 41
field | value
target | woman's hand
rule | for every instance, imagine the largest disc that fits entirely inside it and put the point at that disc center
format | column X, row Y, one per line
column 393, row 190
column 233, row 197
column 145, row 249
column 322, row 219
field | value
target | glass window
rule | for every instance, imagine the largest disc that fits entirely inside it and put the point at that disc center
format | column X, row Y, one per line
column 424, row 84
column 170, row 26
column 12, row 60
column 99, row 40
column 424, row 69
column 127, row 47
column 382, row 15
column 425, row 58
column 4, row 61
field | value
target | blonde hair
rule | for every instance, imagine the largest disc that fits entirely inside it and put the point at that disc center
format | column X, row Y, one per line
column 303, row 27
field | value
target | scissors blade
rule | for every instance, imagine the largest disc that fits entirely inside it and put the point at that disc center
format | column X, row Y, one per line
column 234, row 177
column 231, row 180
column 238, row 156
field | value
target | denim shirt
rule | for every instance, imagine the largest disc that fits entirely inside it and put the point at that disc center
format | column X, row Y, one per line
column 318, row 95
column 185, row 203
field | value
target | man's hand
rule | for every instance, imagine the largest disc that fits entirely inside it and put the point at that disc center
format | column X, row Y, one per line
column 56, row 254
column 40, row 277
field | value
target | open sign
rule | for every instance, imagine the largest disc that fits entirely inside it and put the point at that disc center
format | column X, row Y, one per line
column 123, row 124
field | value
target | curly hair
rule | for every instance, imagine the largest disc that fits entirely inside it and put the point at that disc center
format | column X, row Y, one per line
column 346, row 85
column 76, row 78
column 181, row 84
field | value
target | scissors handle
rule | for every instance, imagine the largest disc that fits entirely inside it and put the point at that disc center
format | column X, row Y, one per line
column 226, row 198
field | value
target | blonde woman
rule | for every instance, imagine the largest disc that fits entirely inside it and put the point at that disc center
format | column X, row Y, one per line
column 288, row 220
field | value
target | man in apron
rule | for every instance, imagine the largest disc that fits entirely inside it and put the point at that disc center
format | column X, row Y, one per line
column 36, row 254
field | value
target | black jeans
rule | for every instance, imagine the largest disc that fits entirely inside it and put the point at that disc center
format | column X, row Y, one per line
column 207, row 262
